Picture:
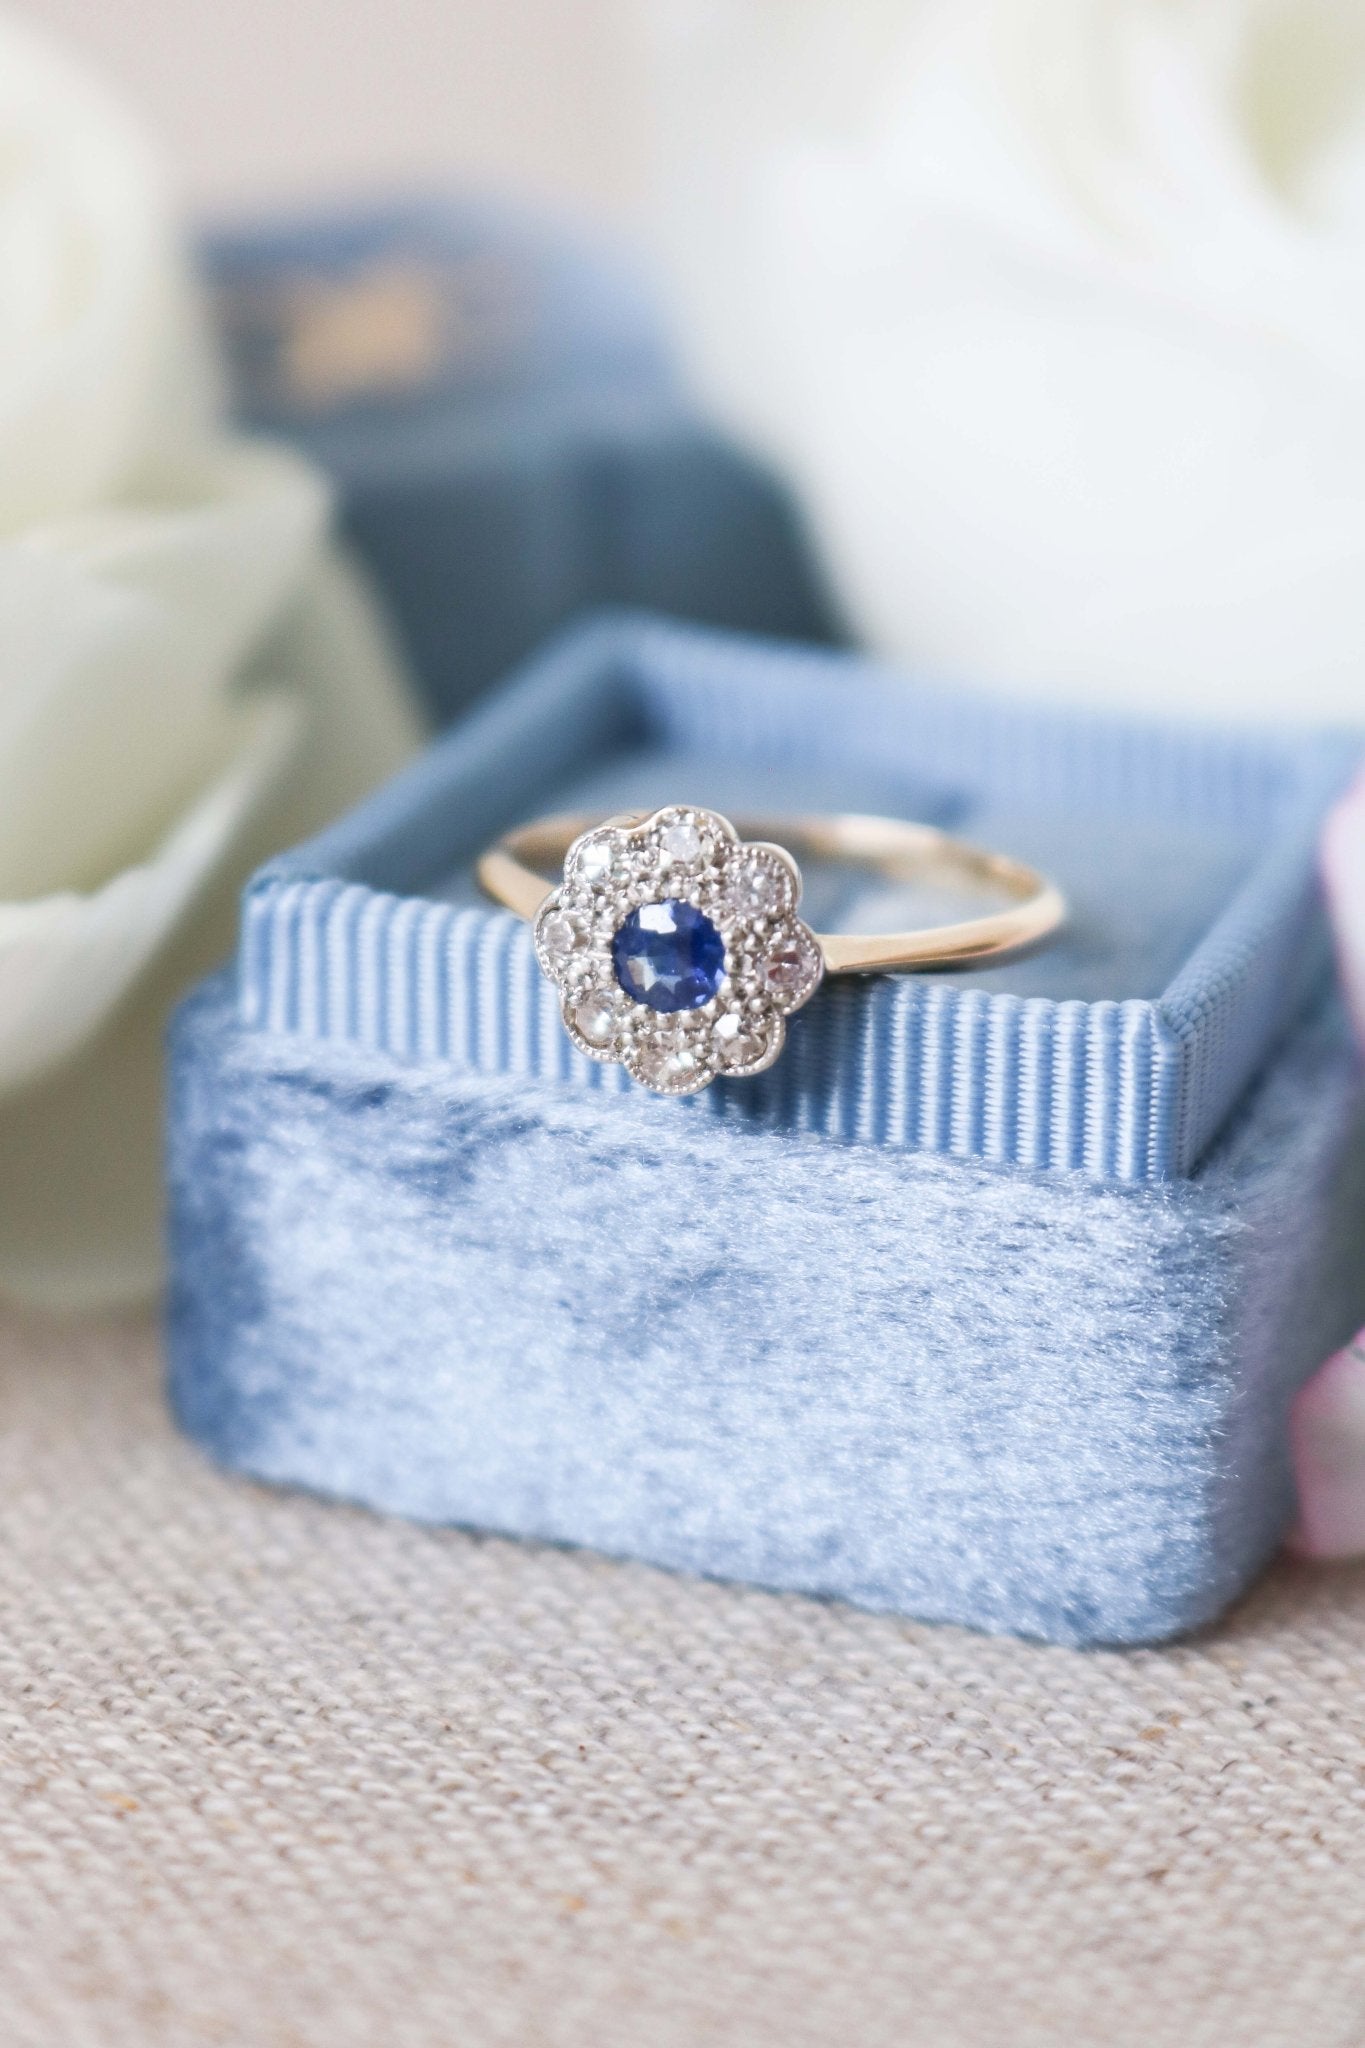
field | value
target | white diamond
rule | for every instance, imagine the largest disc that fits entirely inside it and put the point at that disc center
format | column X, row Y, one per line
column 595, row 1019
column 738, row 1042
column 758, row 889
column 789, row 971
column 559, row 939
column 682, row 843
column 667, row 1066
column 596, row 860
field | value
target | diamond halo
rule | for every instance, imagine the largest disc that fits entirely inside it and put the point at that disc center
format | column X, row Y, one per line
column 676, row 948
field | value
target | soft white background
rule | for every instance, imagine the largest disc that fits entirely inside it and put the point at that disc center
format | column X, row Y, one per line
column 272, row 99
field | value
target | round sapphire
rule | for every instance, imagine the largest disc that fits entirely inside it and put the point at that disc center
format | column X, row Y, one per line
column 669, row 956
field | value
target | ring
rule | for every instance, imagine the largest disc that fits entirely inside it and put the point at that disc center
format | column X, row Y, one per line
column 674, row 942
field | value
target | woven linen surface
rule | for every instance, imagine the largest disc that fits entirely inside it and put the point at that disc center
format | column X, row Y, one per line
column 292, row 1776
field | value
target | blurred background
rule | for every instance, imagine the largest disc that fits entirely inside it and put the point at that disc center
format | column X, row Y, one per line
column 288, row 100
column 1016, row 342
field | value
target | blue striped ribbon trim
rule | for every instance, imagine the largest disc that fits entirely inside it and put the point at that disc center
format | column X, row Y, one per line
column 917, row 1064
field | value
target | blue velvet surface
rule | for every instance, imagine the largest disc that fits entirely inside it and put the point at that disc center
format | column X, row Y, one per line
column 492, row 395
column 1022, row 1401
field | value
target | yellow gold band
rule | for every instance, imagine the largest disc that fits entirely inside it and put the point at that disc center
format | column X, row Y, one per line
column 512, row 873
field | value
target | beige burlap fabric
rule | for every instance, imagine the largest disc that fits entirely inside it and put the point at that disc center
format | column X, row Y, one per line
column 289, row 1776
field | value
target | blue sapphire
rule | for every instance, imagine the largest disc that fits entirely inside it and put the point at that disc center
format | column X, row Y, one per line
column 669, row 956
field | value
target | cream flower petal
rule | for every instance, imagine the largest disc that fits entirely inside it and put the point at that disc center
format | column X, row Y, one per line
column 81, row 1147
column 1055, row 315
column 119, row 631
column 188, row 678
column 93, row 300
column 67, row 960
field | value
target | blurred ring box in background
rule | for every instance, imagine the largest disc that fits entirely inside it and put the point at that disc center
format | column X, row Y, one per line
column 494, row 401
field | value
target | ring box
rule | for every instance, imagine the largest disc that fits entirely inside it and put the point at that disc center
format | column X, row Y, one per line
column 492, row 396
column 986, row 1304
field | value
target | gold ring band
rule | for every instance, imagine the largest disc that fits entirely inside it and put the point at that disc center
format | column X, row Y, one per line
column 512, row 873
column 673, row 937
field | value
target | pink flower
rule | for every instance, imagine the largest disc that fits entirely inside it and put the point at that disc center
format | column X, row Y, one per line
column 1328, row 1424
column 1343, row 867
column 1327, row 1435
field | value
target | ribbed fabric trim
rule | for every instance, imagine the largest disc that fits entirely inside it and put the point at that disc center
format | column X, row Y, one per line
column 920, row 1065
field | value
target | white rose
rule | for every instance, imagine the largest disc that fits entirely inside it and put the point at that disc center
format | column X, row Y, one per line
column 186, row 680
column 1054, row 310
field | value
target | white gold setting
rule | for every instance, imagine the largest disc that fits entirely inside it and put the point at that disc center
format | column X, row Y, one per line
column 747, row 891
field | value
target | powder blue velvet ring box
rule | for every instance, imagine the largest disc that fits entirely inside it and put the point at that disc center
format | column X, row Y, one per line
column 987, row 1303
column 493, row 397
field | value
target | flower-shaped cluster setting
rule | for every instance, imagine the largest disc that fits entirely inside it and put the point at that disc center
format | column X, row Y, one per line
column 676, row 948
